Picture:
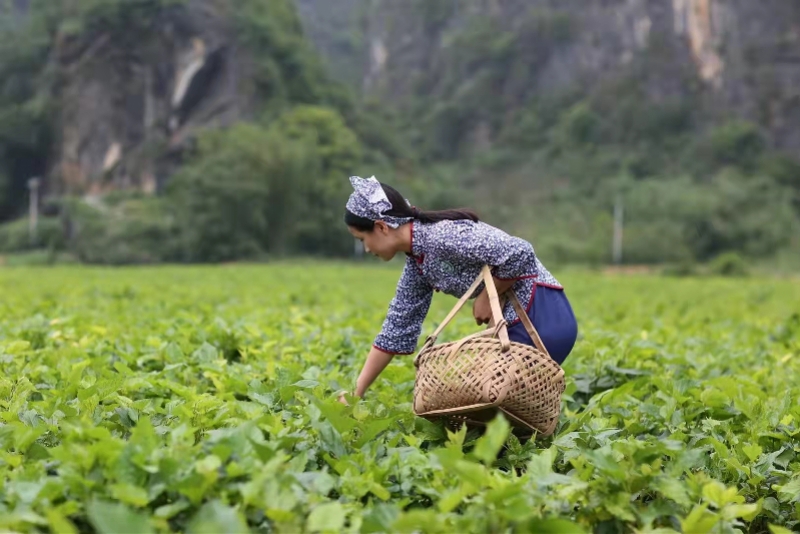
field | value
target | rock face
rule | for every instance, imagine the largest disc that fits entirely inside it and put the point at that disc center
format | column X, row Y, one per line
column 742, row 57
column 337, row 31
column 128, row 106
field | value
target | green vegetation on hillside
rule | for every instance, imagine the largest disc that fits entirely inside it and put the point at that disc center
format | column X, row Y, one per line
column 200, row 399
column 481, row 128
column 272, row 185
column 549, row 163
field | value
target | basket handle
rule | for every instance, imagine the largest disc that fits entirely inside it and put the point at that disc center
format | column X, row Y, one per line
column 494, row 303
column 497, row 312
column 526, row 322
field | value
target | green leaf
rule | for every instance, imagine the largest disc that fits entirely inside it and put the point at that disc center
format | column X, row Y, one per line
column 720, row 496
column 620, row 506
column 306, row 384
column 332, row 440
column 429, row 431
column 205, row 353
column 471, row 473
column 505, row 491
column 216, row 517
column 208, row 465
column 488, row 445
column 752, row 451
column 699, row 520
column 744, row 511
column 336, row 413
column 25, row 436
column 107, row 518
column 17, row 347
column 194, row 487
column 371, row 429
column 554, row 526
column 326, row 517
column 173, row 352
column 455, row 440
column 380, row 518
column 541, row 465
column 672, row 489
column 415, row 521
column 603, row 460
column 170, row 510
column 771, row 505
column 320, row 482
column 129, row 494
column 789, row 492
column 59, row 523
column 450, row 500
column 380, row 492
column 777, row 529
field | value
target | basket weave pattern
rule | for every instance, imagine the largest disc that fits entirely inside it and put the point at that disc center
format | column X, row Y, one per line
column 470, row 379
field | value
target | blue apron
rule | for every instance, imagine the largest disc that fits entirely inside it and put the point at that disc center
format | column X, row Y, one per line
column 553, row 318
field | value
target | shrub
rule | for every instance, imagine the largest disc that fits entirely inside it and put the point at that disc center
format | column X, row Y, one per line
column 136, row 231
column 729, row 264
column 15, row 235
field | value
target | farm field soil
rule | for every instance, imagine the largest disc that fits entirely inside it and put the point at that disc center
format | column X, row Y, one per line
column 203, row 399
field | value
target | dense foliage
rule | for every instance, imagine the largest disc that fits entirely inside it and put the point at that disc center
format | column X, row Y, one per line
column 480, row 127
column 273, row 184
column 549, row 160
column 30, row 33
column 279, row 189
column 204, row 400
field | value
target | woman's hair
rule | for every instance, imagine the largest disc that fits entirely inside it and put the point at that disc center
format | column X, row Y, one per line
column 400, row 208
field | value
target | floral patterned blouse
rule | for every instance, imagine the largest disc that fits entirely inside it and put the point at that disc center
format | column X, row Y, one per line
column 447, row 256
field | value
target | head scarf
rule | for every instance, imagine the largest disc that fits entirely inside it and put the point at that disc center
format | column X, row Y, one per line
column 369, row 201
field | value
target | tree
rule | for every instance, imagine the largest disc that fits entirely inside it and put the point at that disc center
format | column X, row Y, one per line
column 319, row 228
column 237, row 195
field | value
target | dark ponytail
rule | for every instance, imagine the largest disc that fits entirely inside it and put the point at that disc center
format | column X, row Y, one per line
column 401, row 209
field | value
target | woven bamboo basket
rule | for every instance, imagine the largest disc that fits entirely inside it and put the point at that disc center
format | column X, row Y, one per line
column 471, row 379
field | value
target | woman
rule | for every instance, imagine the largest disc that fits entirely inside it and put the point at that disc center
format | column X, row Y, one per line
column 445, row 251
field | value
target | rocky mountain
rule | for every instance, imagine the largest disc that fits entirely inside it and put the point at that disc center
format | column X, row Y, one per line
column 731, row 57
column 337, row 31
column 132, row 87
column 548, row 114
column 124, row 98
column 552, row 115
column 115, row 91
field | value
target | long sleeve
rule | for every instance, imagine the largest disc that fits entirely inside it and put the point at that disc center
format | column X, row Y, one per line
column 510, row 257
column 403, row 324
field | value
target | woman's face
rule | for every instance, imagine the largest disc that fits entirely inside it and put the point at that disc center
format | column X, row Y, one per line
column 379, row 242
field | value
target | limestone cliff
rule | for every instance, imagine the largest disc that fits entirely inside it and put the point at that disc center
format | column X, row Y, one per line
column 129, row 105
column 130, row 101
column 739, row 57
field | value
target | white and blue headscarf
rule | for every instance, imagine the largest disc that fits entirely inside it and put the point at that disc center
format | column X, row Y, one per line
column 369, row 201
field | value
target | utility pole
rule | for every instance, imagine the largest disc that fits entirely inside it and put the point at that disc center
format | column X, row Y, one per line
column 33, row 185
column 616, row 251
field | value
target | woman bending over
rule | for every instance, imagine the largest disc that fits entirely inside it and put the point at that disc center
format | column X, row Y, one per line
column 445, row 251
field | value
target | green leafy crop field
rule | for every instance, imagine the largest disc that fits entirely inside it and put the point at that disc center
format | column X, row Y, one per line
column 203, row 400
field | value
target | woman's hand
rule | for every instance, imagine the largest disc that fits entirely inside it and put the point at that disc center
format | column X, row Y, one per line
column 377, row 360
column 481, row 309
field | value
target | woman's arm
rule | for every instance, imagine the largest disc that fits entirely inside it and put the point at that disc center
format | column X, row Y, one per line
column 401, row 328
column 377, row 360
column 481, row 309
